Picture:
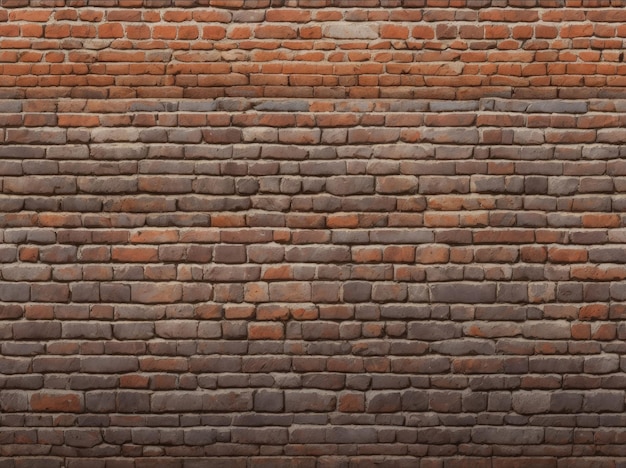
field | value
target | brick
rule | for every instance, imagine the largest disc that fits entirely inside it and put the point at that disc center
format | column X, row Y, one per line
column 432, row 331
column 269, row 401
column 265, row 331
column 531, row 402
column 229, row 401
column 601, row 364
column 175, row 401
column 40, row 330
column 396, row 184
column 512, row 435
column 383, row 402
column 566, row 402
column 147, row 293
column 468, row 293
column 57, row 401
column 357, row 291
column 602, row 401
column 310, row 254
column 350, row 185
column 304, row 400
column 389, row 292
column 439, row 185
column 268, row 436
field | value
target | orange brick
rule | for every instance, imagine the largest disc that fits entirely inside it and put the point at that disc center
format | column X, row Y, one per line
column 567, row 255
column 265, row 331
column 393, row 31
column 108, row 30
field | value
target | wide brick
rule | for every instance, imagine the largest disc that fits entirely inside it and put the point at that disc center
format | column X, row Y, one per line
column 383, row 402
column 603, row 401
column 162, row 402
column 350, row 185
column 432, row 331
column 41, row 330
column 266, row 436
column 321, row 253
column 467, row 293
column 147, row 293
column 439, row 185
column 228, row 400
column 510, row 435
column 57, row 402
column 304, row 400
column 350, row 31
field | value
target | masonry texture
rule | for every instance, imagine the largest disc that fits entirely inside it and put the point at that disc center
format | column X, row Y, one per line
column 312, row 233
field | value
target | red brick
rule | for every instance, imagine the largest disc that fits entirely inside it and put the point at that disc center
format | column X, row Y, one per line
column 57, row 402
column 268, row 31
column 567, row 255
column 109, row 30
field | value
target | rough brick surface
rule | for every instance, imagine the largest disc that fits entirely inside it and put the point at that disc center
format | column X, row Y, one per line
column 312, row 233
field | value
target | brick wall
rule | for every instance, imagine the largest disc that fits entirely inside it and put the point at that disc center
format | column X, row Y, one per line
column 312, row 233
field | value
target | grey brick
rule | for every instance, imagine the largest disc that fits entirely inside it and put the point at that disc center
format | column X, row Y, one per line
column 305, row 400
column 350, row 185
column 566, row 402
column 203, row 436
column 265, row 436
column 604, row 401
column 601, row 364
column 558, row 106
column 507, row 435
column 433, row 331
column 383, row 402
column 467, row 293
column 271, row 401
column 352, row 435
column 532, row 402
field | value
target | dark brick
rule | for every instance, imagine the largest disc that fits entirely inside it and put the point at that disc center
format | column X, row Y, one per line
column 467, row 293
column 508, row 435
column 270, row 401
column 383, row 402
column 356, row 291
column 603, row 401
column 304, row 400
column 566, row 402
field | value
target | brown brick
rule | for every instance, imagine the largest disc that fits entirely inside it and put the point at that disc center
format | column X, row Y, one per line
column 149, row 293
column 57, row 402
column 265, row 331
column 306, row 400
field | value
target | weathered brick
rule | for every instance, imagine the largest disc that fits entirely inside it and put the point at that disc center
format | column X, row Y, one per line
column 235, row 400
column 304, row 400
column 350, row 31
column 266, row 436
column 467, row 293
column 511, row 435
column 147, row 293
column 57, row 401
column 383, row 402
column 271, row 401
column 531, row 402
column 603, row 401
column 350, row 185
column 163, row 402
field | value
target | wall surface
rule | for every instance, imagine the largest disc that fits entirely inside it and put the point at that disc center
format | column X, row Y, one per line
column 314, row 233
